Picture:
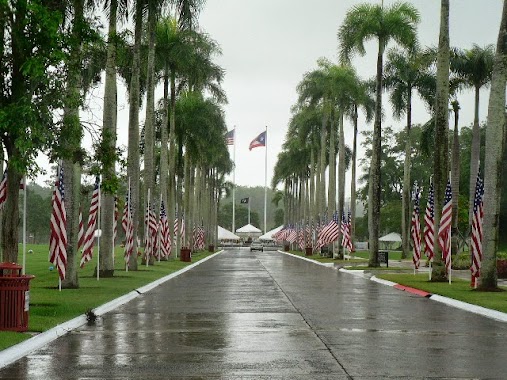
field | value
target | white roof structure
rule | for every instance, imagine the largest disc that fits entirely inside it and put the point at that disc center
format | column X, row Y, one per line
column 391, row 237
column 224, row 234
column 269, row 235
column 248, row 229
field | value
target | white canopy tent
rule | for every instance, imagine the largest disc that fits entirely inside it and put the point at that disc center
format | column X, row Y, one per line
column 269, row 235
column 248, row 232
column 391, row 240
column 224, row 234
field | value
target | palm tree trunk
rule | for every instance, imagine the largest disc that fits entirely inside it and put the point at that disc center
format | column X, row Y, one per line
column 72, row 127
column 311, row 212
column 172, row 159
column 455, row 180
column 374, row 190
column 341, row 179
column 441, row 133
column 495, row 146
column 133, row 147
column 321, row 198
column 109, row 146
column 164, row 139
column 475, row 154
column 353, row 182
column 331, row 195
column 149, row 124
column 405, row 209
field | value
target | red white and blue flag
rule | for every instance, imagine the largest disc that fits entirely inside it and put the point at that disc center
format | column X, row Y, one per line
column 429, row 228
column 258, row 141
column 128, row 227
column 58, row 237
column 329, row 233
column 477, row 235
column 3, row 190
column 229, row 137
column 346, row 240
column 444, row 232
column 416, row 230
column 165, row 238
column 89, row 240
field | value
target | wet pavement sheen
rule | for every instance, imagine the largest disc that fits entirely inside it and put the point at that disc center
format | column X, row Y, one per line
column 265, row 315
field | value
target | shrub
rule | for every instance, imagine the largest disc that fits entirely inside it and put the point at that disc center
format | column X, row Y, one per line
column 501, row 267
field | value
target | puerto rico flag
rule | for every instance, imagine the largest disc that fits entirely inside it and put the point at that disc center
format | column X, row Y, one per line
column 258, row 141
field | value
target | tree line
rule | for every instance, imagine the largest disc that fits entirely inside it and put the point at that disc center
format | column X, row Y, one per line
column 331, row 97
column 53, row 53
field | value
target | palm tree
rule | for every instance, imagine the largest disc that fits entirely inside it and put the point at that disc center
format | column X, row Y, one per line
column 404, row 73
column 441, row 156
column 108, row 143
column 495, row 137
column 362, row 23
column 133, row 169
column 474, row 68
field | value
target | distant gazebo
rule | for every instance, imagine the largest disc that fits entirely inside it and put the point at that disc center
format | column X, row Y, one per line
column 248, row 232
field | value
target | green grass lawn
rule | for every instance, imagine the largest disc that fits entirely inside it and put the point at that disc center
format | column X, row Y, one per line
column 50, row 307
column 459, row 289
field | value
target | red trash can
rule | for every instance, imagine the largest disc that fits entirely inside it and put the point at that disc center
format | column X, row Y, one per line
column 14, row 298
column 185, row 254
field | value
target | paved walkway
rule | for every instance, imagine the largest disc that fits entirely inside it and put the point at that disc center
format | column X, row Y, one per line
column 266, row 315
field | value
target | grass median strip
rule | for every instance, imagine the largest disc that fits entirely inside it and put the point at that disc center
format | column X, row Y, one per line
column 50, row 307
column 459, row 289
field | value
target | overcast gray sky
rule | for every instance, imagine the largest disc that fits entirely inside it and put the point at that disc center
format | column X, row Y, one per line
column 269, row 44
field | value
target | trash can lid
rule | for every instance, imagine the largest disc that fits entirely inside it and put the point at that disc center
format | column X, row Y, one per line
column 11, row 266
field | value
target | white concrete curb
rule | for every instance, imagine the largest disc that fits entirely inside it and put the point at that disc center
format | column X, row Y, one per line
column 498, row 315
column 11, row 354
column 383, row 282
column 357, row 273
column 306, row 259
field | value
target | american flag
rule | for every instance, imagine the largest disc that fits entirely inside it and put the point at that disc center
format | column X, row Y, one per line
column 89, row 240
column 58, row 238
column 3, row 190
column 429, row 228
column 444, row 232
column 115, row 220
column 176, row 223
column 229, row 137
column 182, row 230
column 329, row 232
column 416, row 230
column 80, row 234
column 128, row 227
column 291, row 234
column 151, row 233
column 165, row 239
column 346, row 240
column 477, row 218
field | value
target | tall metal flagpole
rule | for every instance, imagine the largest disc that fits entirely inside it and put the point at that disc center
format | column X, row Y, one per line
column 265, row 176
column 98, row 236
column 23, row 270
column 248, row 210
column 234, row 183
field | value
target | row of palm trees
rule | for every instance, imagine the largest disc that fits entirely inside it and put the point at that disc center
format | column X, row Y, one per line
column 181, row 143
column 332, row 92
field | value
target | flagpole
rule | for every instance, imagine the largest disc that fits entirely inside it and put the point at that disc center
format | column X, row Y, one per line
column 98, row 236
column 23, row 270
column 159, row 230
column 248, row 210
column 147, row 229
column 234, row 183
column 265, row 176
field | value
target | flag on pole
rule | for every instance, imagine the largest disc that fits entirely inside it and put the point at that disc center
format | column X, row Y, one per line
column 165, row 239
column 429, row 228
column 229, row 137
column 80, row 234
column 58, row 237
column 416, row 230
column 182, row 230
column 89, row 240
column 245, row 200
column 329, row 233
column 346, row 240
column 3, row 190
column 115, row 220
column 477, row 219
column 176, row 224
column 258, row 141
column 128, row 227
column 444, row 231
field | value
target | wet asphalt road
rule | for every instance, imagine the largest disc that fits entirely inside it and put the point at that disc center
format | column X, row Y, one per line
column 265, row 315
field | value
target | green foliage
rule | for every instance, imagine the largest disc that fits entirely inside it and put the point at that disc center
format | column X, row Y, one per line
column 241, row 216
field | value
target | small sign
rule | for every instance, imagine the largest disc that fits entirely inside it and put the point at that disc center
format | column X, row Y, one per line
column 27, row 300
